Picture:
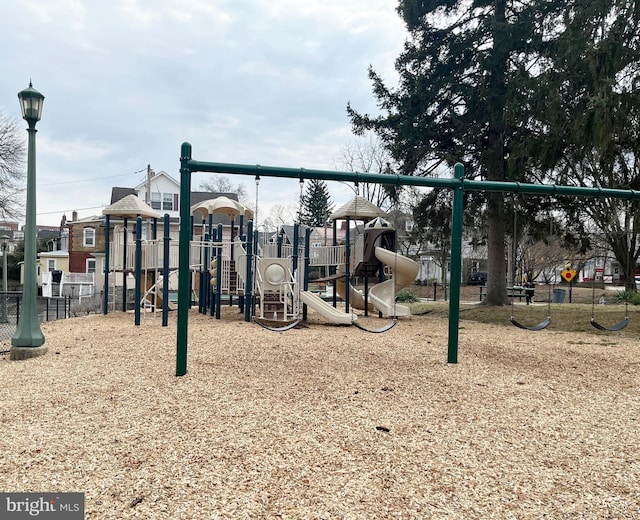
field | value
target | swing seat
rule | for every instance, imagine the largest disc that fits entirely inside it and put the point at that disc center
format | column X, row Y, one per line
column 542, row 325
column 286, row 326
column 614, row 328
column 385, row 328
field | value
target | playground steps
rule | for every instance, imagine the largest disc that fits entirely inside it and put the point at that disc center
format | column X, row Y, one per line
column 232, row 287
column 272, row 304
column 233, row 277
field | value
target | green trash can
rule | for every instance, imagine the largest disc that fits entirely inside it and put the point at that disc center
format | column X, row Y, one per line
column 559, row 295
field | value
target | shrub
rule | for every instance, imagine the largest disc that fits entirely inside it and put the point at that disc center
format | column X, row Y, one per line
column 406, row 296
column 630, row 297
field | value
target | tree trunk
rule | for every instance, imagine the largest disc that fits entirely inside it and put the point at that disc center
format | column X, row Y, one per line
column 496, row 271
column 494, row 159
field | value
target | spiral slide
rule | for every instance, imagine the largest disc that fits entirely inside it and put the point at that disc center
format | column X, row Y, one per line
column 383, row 295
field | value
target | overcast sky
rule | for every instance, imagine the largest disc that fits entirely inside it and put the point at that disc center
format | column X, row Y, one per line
column 244, row 81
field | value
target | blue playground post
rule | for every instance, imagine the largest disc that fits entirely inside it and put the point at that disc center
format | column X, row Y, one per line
column 107, row 253
column 165, row 272
column 138, row 270
column 248, row 290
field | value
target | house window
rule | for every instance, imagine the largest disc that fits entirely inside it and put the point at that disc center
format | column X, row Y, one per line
column 156, row 200
column 167, row 201
column 51, row 264
column 408, row 226
column 91, row 265
column 162, row 201
column 89, row 237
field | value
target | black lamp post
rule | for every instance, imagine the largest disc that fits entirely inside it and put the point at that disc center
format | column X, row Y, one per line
column 28, row 341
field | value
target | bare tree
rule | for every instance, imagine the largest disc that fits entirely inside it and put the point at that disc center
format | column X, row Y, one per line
column 12, row 173
column 367, row 154
column 222, row 184
column 541, row 261
column 280, row 215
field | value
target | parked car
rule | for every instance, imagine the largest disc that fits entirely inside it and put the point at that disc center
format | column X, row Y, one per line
column 477, row 278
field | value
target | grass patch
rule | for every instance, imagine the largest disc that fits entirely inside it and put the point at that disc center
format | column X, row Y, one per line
column 568, row 317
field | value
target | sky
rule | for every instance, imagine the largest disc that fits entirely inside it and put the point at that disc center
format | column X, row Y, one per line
column 244, row 81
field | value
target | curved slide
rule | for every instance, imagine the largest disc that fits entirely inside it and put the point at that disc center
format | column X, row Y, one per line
column 356, row 296
column 326, row 309
column 383, row 295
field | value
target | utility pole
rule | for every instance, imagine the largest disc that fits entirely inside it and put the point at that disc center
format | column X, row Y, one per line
column 150, row 173
column 147, row 194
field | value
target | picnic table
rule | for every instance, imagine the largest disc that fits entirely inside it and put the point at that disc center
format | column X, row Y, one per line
column 521, row 291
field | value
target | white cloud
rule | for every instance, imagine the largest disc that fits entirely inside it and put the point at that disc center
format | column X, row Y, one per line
column 77, row 149
column 248, row 81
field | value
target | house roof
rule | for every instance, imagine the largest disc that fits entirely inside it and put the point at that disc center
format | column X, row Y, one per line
column 131, row 207
column 358, row 208
column 92, row 218
column 120, row 193
column 287, row 231
column 155, row 175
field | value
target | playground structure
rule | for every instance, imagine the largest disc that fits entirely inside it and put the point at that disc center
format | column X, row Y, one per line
column 458, row 185
column 269, row 281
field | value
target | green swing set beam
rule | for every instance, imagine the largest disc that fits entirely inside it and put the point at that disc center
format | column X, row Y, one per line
column 458, row 184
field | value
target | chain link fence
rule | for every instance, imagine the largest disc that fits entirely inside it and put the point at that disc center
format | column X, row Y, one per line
column 49, row 309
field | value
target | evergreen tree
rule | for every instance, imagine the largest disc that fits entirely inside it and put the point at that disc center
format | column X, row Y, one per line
column 464, row 77
column 315, row 205
column 510, row 88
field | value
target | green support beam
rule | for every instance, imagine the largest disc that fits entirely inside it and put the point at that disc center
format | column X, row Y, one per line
column 409, row 180
column 456, row 265
column 184, row 280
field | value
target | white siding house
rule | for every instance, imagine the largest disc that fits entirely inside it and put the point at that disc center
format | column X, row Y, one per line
column 161, row 192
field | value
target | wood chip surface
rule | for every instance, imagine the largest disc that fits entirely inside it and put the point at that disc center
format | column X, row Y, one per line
column 325, row 422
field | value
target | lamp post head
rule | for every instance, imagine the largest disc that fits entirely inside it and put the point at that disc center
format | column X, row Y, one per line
column 4, row 239
column 31, row 102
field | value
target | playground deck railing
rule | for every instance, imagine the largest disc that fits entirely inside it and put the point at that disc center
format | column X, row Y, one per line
column 201, row 252
column 152, row 255
column 318, row 256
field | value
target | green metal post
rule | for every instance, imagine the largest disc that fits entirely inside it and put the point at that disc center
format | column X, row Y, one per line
column 28, row 340
column 183, row 260
column 456, row 264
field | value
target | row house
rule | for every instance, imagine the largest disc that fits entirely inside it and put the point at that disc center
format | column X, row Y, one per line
column 77, row 258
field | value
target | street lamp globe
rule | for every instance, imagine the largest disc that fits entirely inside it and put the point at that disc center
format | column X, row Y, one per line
column 31, row 102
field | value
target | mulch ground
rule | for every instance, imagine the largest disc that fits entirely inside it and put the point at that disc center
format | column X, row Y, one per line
column 325, row 421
